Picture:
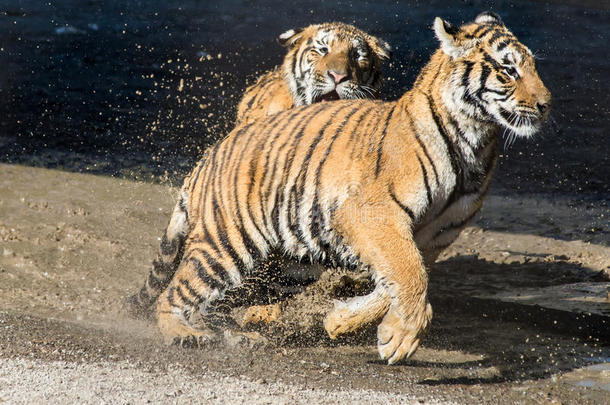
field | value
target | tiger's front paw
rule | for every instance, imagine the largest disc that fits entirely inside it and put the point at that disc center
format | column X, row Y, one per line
column 399, row 334
column 340, row 320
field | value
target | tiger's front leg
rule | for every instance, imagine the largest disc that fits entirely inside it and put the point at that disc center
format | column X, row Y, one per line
column 383, row 241
column 352, row 314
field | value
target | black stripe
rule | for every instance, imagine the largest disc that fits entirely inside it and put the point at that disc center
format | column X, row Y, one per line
column 157, row 282
column 302, row 176
column 209, row 166
column 252, row 98
column 260, row 95
column 479, row 29
column 505, row 114
column 249, row 243
column 252, row 170
column 468, row 98
column 488, row 90
column 168, row 248
column 459, row 131
column 218, row 269
column 497, row 35
column 421, row 143
column 271, row 174
column 186, row 284
column 401, row 205
column 501, row 78
column 170, row 297
column 383, row 135
column 208, row 190
column 225, row 243
column 488, row 29
column 508, row 94
column 504, row 44
column 425, row 174
column 448, row 143
column 202, row 164
column 455, row 162
column 160, row 267
column 485, row 72
column 184, row 207
column 302, row 55
column 204, row 276
column 366, row 130
column 294, row 62
column 184, row 298
column 487, row 58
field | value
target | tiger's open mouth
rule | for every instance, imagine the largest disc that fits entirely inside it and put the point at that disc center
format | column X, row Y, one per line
column 330, row 96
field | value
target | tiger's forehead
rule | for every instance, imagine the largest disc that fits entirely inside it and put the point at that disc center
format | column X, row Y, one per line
column 340, row 34
column 499, row 41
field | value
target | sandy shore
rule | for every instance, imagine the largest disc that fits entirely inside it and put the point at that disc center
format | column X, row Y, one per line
column 75, row 245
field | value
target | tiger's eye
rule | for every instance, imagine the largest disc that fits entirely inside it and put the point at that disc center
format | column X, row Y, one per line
column 511, row 71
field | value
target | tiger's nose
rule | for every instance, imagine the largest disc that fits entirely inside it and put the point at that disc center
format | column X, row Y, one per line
column 338, row 77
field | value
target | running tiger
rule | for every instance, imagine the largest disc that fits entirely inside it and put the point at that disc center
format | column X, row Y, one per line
column 324, row 62
column 384, row 185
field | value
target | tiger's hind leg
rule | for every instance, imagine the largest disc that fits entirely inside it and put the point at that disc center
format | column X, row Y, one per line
column 166, row 262
column 203, row 277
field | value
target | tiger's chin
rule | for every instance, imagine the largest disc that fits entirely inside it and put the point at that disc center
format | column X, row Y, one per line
column 523, row 130
column 330, row 96
column 519, row 124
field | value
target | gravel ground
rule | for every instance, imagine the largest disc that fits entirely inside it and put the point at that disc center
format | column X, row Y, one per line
column 61, row 382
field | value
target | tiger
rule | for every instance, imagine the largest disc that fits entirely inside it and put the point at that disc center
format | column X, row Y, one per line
column 324, row 62
column 382, row 186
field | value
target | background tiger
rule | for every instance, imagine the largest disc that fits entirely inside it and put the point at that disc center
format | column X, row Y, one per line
column 381, row 185
column 327, row 61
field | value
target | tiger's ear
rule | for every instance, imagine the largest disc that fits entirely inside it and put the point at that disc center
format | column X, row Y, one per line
column 382, row 49
column 451, row 42
column 290, row 37
column 488, row 17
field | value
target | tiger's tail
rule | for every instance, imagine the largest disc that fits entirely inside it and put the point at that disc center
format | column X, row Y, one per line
column 171, row 250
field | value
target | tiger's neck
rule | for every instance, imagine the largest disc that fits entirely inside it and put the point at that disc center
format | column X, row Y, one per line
column 435, row 96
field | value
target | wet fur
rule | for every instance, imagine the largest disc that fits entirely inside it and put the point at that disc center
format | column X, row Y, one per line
column 381, row 185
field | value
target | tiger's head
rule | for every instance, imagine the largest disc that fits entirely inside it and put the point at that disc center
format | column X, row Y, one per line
column 494, row 76
column 332, row 61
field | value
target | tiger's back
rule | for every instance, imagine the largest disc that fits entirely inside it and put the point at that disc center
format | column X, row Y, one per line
column 271, row 174
column 268, row 96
